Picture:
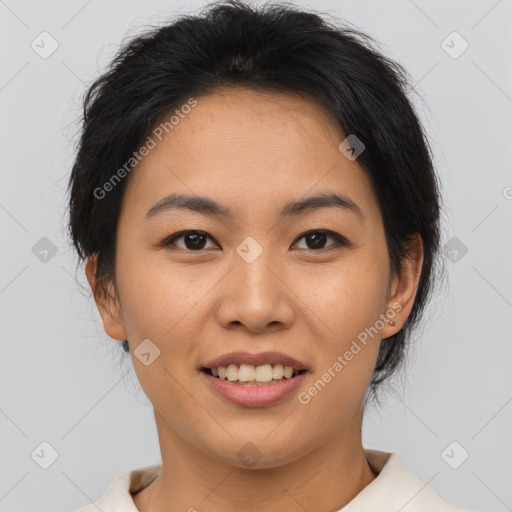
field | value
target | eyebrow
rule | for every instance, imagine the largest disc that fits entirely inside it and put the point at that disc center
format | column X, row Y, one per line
column 210, row 207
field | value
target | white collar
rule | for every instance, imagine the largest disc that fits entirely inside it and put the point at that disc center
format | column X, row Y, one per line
column 396, row 488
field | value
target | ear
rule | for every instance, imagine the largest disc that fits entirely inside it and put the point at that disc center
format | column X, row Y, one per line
column 403, row 288
column 106, row 301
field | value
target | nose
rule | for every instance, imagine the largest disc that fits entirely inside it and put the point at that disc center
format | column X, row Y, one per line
column 255, row 295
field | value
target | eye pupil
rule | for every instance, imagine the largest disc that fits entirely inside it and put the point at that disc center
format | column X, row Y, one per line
column 198, row 240
column 318, row 240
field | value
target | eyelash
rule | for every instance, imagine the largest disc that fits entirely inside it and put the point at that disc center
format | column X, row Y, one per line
column 339, row 240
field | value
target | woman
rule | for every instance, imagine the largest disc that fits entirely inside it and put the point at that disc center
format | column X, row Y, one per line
column 255, row 200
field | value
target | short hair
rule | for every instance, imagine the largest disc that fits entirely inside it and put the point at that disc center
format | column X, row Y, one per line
column 275, row 47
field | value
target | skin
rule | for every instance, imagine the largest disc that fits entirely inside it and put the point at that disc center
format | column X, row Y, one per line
column 253, row 152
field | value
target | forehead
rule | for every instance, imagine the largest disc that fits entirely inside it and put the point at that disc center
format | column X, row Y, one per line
column 241, row 145
column 288, row 108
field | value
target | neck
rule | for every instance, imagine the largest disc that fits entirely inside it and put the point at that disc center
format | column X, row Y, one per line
column 326, row 478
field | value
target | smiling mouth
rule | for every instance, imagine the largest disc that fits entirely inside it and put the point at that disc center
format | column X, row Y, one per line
column 250, row 375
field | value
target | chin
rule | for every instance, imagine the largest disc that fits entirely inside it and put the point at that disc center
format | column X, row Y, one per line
column 258, row 452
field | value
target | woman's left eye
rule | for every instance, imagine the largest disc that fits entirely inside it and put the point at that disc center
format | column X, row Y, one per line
column 318, row 237
column 194, row 240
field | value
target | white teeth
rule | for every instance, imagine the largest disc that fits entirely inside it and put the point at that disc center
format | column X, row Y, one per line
column 278, row 371
column 232, row 372
column 247, row 373
column 263, row 373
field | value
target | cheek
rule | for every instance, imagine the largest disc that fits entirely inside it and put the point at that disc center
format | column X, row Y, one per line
column 160, row 306
column 157, row 301
column 346, row 298
column 349, row 303
column 360, row 301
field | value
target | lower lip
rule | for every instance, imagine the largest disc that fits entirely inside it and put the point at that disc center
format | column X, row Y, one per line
column 254, row 396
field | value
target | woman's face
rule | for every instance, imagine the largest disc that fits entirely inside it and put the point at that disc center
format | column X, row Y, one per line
column 250, row 281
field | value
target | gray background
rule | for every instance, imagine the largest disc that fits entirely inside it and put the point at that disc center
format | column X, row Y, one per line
column 63, row 381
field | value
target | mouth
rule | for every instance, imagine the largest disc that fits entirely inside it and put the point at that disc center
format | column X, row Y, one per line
column 251, row 375
column 254, row 380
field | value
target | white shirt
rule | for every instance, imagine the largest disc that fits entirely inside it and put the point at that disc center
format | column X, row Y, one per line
column 395, row 489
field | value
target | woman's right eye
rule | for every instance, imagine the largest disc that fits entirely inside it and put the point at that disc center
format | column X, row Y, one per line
column 192, row 240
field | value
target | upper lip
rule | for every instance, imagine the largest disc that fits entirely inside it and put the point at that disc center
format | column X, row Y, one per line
column 258, row 359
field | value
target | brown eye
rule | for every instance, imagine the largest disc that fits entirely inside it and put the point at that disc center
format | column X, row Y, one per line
column 316, row 240
column 192, row 240
column 195, row 241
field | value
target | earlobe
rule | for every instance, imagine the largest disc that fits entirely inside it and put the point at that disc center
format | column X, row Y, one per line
column 106, row 302
column 403, row 288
